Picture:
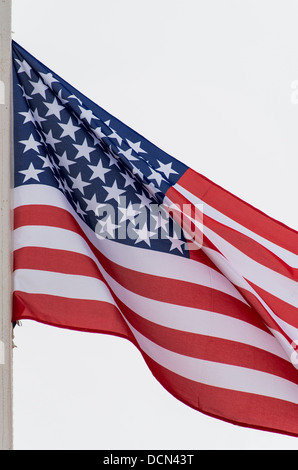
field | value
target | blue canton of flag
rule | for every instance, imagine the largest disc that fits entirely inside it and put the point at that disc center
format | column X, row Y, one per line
column 113, row 177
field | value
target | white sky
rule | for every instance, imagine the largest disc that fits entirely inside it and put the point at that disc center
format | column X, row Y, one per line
column 210, row 83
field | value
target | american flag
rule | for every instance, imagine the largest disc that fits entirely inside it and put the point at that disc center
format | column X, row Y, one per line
column 113, row 235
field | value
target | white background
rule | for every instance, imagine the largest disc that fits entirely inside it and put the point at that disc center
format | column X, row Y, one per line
column 210, row 82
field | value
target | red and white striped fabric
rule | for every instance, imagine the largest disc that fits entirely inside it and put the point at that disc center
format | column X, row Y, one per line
column 215, row 329
column 217, row 326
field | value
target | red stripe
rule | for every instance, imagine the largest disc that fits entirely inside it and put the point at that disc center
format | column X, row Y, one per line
column 86, row 315
column 161, row 289
column 59, row 261
column 242, row 242
column 286, row 312
column 252, row 248
column 253, row 301
column 263, row 312
column 232, row 406
column 210, row 348
column 246, row 409
column 155, row 287
column 52, row 216
column 96, row 316
column 238, row 210
column 75, row 314
column 73, row 263
column 238, row 407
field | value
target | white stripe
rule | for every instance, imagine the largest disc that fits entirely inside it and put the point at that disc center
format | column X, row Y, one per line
column 138, row 259
column 287, row 256
column 276, row 284
column 220, row 261
column 211, row 373
column 63, row 285
column 51, row 237
column 196, row 321
column 39, row 195
column 147, row 261
column 218, row 374
column 237, row 267
column 121, row 254
column 169, row 315
column 168, row 266
column 271, row 281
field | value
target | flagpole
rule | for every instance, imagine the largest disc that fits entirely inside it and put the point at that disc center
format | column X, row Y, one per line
column 6, row 421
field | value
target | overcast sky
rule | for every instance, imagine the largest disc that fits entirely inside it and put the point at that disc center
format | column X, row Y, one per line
column 213, row 83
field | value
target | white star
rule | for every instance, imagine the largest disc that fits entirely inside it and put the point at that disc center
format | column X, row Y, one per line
column 63, row 161
column 87, row 114
column 98, row 133
column 41, row 136
column 136, row 146
column 69, row 129
column 92, row 204
column 75, row 98
column 97, row 142
column 176, row 243
column 58, row 179
column 152, row 190
column 99, row 171
column 155, row 176
column 102, row 209
column 54, row 165
column 31, row 172
column 166, row 169
column 84, row 150
column 128, row 213
column 127, row 154
column 161, row 221
column 28, row 116
column 144, row 235
column 97, row 136
column 79, row 184
column 39, row 88
column 48, row 79
column 66, row 188
column 145, row 201
column 24, row 67
column 136, row 171
column 79, row 210
column 60, row 97
column 37, row 117
column 113, row 192
column 106, row 227
column 46, row 162
column 114, row 134
column 30, row 143
column 113, row 160
column 129, row 181
column 54, row 108
column 27, row 97
column 50, row 139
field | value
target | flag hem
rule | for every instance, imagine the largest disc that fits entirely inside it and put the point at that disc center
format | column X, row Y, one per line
column 155, row 375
